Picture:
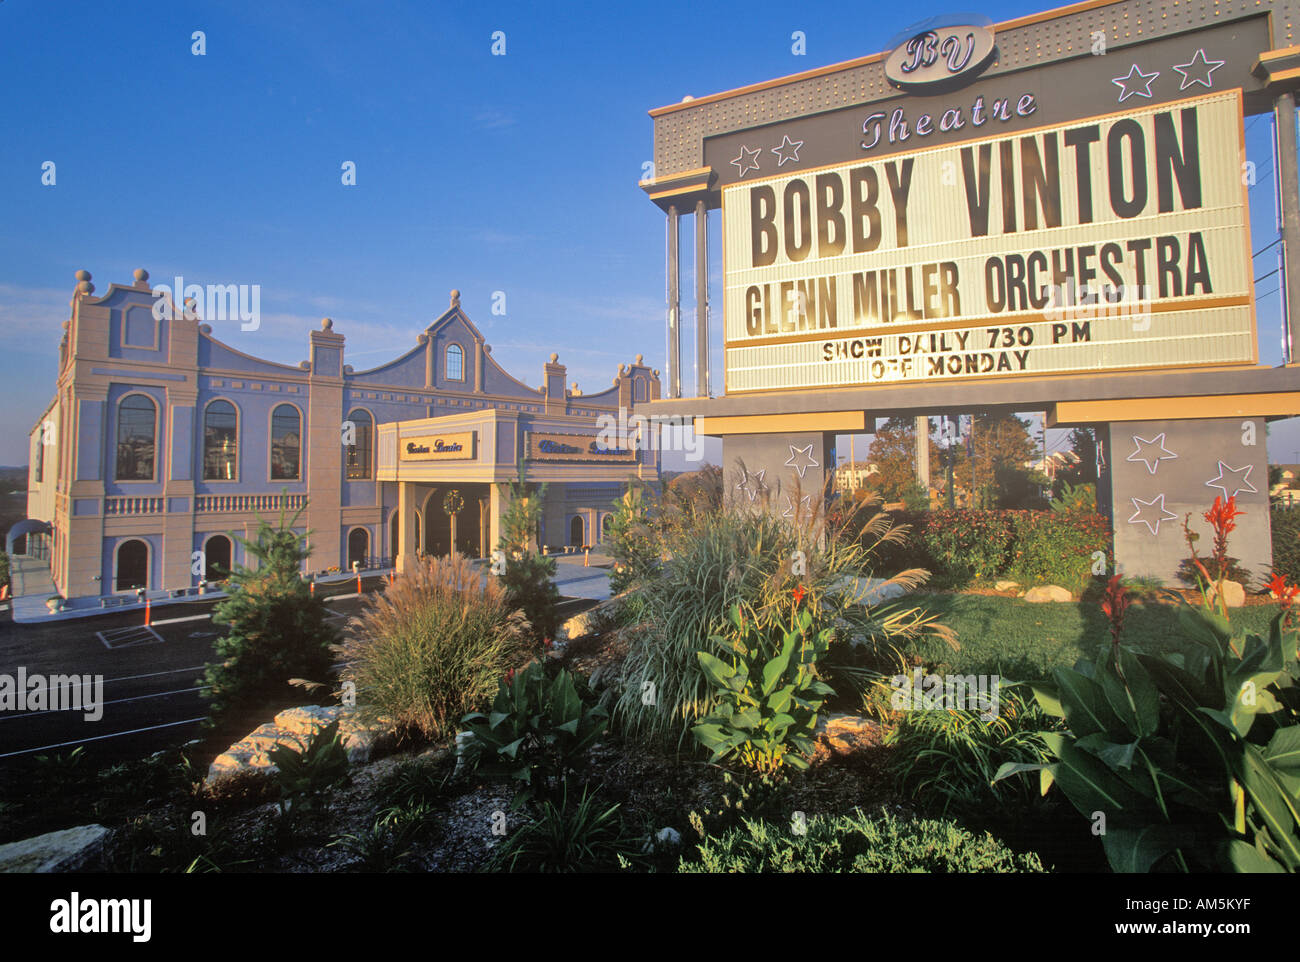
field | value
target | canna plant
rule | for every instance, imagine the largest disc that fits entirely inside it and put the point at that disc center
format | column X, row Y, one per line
column 1191, row 759
column 768, row 692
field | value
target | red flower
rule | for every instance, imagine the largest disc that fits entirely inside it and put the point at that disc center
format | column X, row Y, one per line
column 548, row 643
column 1113, row 605
column 1222, row 514
column 510, row 676
column 799, row 593
column 1282, row 591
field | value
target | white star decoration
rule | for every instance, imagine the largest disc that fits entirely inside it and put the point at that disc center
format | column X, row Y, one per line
column 1131, row 84
column 787, row 150
column 743, row 485
column 1151, row 513
column 805, row 503
column 801, row 459
column 1144, row 451
column 1202, row 74
column 747, row 161
column 1238, row 479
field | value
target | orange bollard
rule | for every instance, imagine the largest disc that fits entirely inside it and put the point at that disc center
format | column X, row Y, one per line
column 358, row 582
column 313, row 587
column 586, row 557
column 148, row 613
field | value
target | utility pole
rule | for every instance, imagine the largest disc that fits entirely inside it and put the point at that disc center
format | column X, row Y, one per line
column 952, row 453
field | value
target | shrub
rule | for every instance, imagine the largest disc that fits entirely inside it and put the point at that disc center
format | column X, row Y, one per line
column 950, row 758
column 433, row 646
column 568, row 837
column 1286, row 540
column 528, row 578
column 536, row 732
column 767, row 693
column 968, row 545
column 854, row 842
column 1056, row 548
column 276, row 629
column 632, row 540
column 748, row 557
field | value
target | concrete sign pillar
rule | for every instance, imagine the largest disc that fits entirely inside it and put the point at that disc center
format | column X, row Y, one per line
column 1158, row 472
column 787, row 472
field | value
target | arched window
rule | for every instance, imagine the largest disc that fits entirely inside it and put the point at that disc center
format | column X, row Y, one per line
column 137, row 418
column 358, row 453
column 285, row 442
column 577, row 530
column 455, row 363
column 132, row 565
column 358, row 546
column 220, row 442
column 216, row 558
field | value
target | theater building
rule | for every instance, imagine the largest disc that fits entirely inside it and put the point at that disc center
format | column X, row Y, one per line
column 162, row 443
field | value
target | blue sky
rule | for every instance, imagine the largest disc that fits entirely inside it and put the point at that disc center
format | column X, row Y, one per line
column 485, row 173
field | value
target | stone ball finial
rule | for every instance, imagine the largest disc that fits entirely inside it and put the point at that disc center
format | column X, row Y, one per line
column 656, row 372
column 141, row 275
column 205, row 328
column 487, row 348
column 85, row 287
column 455, row 298
column 639, row 358
column 347, row 368
column 622, row 368
column 83, row 275
column 326, row 324
column 554, row 357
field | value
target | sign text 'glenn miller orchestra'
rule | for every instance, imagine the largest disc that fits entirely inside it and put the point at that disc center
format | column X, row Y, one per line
column 1114, row 242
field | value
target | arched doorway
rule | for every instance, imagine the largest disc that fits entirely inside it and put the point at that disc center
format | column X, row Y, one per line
column 577, row 532
column 132, row 565
column 437, row 526
column 604, row 527
column 216, row 558
column 358, row 547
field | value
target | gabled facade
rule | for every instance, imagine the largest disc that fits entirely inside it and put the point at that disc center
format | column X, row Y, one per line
column 161, row 442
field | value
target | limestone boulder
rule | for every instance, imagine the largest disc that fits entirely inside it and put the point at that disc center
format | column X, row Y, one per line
column 1044, row 593
column 843, row 735
column 69, row 850
column 1234, row 593
column 1006, row 585
column 295, row 727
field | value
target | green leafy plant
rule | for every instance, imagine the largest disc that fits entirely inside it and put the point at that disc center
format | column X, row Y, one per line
column 385, row 847
column 306, row 773
column 855, row 842
column 1285, row 520
column 1075, row 499
column 536, row 732
column 569, row 836
column 767, row 693
column 276, row 629
column 754, row 558
column 1192, row 757
column 433, row 646
column 949, row 758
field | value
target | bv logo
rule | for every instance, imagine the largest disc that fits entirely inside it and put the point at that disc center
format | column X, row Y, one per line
column 944, row 52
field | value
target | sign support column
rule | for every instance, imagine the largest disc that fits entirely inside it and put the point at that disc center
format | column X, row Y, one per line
column 701, row 299
column 674, row 305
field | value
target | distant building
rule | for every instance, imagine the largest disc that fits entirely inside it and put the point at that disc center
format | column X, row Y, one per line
column 162, row 442
column 853, row 475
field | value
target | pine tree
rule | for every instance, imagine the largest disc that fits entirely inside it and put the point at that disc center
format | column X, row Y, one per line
column 276, row 629
column 529, row 578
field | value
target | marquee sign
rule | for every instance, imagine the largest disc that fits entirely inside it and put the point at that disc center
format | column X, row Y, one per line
column 576, row 447
column 438, row 447
column 1116, row 242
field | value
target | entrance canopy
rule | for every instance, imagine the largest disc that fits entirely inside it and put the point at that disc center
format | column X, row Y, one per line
column 25, row 527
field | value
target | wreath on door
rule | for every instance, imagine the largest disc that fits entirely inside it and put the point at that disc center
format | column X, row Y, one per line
column 453, row 502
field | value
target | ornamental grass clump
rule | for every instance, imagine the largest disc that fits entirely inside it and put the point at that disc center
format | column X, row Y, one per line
column 433, row 646
column 768, row 565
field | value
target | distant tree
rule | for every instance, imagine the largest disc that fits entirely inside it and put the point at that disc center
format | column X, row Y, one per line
column 529, row 579
column 893, row 452
column 992, row 466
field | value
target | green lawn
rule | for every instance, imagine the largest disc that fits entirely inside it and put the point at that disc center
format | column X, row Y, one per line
column 1022, row 641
